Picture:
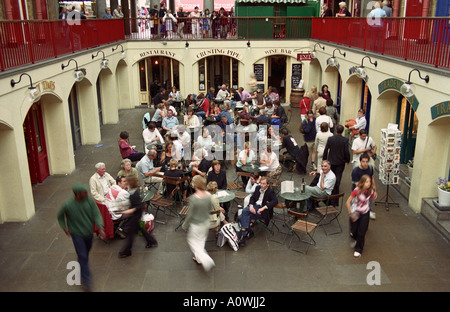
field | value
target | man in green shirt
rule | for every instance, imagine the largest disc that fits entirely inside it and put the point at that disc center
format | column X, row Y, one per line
column 77, row 217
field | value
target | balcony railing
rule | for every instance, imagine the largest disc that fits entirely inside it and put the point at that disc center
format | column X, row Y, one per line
column 425, row 40
column 26, row 42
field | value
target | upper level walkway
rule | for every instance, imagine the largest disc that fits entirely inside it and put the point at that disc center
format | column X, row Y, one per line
column 425, row 40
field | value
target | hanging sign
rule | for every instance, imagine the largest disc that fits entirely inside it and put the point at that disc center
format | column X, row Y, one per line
column 304, row 57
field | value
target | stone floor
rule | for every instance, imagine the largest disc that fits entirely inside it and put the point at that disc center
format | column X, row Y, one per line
column 412, row 255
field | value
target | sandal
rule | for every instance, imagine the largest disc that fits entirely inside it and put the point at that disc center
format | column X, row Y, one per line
column 195, row 260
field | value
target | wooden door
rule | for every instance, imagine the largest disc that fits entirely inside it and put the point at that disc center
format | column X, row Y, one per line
column 33, row 128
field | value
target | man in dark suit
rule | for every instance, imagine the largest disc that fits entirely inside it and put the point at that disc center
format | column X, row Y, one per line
column 294, row 152
column 326, row 11
column 338, row 154
column 261, row 207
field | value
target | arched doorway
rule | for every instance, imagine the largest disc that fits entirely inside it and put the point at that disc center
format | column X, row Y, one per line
column 74, row 117
column 408, row 124
column 216, row 70
column 157, row 72
column 33, row 128
column 277, row 74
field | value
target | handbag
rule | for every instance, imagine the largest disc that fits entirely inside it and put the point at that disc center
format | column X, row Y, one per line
column 373, row 155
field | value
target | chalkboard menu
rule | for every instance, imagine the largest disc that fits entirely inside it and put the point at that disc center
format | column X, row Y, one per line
column 296, row 75
column 258, row 69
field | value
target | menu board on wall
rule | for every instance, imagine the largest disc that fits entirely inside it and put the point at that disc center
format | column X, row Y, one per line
column 258, row 69
column 296, row 75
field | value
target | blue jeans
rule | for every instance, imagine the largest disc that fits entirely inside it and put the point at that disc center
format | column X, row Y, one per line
column 201, row 114
column 82, row 247
column 246, row 216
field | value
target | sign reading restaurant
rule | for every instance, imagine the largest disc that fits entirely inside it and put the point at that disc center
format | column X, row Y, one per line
column 157, row 52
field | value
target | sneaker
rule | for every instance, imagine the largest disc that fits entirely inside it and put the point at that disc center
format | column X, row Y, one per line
column 121, row 233
column 356, row 254
column 373, row 216
column 353, row 244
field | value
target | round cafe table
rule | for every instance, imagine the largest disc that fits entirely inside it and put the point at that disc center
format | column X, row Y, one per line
column 225, row 198
column 298, row 198
column 253, row 167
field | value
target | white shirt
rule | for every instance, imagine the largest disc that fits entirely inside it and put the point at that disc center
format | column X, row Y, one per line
column 172, row 109
column 273, row 158
column 359, row 144
column 148, row 137
column 206, row 143
column 360, row 123
column 261, row 196
column 191, row 122
column 328, row 182
column 104, row 183
column 321, row 119
column 222, row 94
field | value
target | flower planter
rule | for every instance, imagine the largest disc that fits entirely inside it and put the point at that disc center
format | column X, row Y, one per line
column 444, row 198
column 410, row 172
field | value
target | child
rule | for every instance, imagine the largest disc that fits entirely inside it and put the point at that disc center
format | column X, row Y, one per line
column 358, row 209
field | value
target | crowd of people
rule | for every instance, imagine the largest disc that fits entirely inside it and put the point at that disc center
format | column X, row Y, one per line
column 188, row 141
column 166, row 23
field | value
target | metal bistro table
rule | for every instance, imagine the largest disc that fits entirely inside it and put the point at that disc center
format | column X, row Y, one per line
column 298, row 198
column 178, row 104
column 253, row 167
column 225, row 198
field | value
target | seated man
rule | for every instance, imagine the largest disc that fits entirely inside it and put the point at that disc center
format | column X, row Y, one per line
column 118, row 198
column 146, row 169
column 169, row 122
column 184, row 137
column 203, row 106
column 279, row 116
column 223, row 94
column 224, row 112
column 202, row 165
column 324, row 185
column 100, row 182
column 261, row 207
column 294, row 152
column 151, row 134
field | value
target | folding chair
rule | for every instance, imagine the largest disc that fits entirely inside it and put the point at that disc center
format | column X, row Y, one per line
column 332, row 209
column 176, row 182
column 182, row 214
column 162, row 204
column 279, row 215
column 301, row 227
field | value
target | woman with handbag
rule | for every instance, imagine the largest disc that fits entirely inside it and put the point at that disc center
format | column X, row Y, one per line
column 305, row 105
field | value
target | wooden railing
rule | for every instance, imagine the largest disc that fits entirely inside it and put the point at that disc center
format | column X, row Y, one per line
column 425, row 40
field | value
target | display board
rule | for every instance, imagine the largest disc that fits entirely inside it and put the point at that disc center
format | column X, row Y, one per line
column 258, row 69
column 390, row 155
column 296, row 75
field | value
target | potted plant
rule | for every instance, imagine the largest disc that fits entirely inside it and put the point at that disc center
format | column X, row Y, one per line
column 410, row 168
column 443, row 192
